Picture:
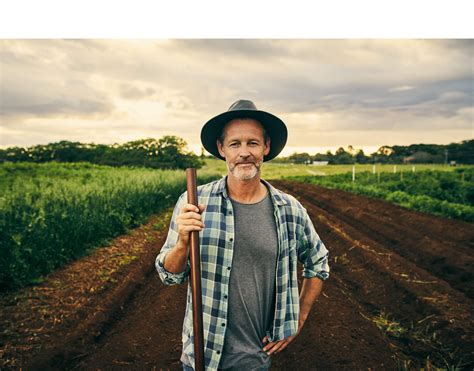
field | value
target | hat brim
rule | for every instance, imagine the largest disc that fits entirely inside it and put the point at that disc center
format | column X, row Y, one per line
column 274, row 127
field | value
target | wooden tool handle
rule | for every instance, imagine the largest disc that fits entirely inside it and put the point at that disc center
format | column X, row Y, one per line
column 195, row 258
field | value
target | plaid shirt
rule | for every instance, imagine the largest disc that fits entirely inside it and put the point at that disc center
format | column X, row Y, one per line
column 297, row 240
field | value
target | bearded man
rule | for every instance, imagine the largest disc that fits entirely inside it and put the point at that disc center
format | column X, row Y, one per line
column 251, row 237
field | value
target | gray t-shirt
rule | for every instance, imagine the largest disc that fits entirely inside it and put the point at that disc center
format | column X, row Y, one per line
column 252, row 286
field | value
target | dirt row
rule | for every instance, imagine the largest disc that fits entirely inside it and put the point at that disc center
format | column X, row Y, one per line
column 404, row 268
column 399, row 296
column 71, row 307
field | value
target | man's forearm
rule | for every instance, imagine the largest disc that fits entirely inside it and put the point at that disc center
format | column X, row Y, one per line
column 176, row 259
column 310, row 291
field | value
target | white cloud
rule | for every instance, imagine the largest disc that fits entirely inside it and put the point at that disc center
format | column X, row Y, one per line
column 402, row 88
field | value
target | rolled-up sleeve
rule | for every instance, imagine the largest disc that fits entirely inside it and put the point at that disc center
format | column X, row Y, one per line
column 169, row 278
column 311, row 251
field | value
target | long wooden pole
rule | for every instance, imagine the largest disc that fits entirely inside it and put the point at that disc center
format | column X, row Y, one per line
column 195, row 258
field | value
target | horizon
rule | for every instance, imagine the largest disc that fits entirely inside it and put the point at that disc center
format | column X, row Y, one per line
column 287, row 151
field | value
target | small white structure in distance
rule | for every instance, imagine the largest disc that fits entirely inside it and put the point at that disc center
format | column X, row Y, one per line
column 319, row 163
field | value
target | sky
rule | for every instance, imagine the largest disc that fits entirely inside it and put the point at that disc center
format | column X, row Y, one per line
column 330, row 93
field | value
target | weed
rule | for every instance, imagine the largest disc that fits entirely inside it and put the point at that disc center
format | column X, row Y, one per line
column 390, row 327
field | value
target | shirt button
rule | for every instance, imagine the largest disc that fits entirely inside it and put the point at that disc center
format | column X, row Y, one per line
column 228, row 268
column 231, row 239
column 218, row 352
column 225, row 296
column 223, row 324
column 230, row 212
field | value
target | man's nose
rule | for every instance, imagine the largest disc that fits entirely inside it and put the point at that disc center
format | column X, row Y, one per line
column 244, row 152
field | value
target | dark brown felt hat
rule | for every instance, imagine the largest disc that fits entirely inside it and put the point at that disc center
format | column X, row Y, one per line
column 275, row 127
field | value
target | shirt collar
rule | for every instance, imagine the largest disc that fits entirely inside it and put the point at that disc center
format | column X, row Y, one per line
column 275, row 193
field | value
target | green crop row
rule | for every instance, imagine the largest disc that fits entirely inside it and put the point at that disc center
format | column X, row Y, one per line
column 447, row 194
column 53, row 213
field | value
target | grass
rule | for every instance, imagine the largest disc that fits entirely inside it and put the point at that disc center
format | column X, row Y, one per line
column 274, row 170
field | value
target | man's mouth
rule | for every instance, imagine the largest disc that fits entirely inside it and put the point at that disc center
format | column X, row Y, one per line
column 245, row 165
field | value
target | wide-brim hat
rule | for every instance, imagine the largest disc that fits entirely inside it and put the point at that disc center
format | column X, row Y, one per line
column 274, row 127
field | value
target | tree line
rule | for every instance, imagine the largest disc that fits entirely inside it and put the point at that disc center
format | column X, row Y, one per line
column 168, row 152
column 460, row 153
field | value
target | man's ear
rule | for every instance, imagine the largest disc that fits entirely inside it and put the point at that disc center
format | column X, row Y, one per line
column 220, row 149
column 267, row 147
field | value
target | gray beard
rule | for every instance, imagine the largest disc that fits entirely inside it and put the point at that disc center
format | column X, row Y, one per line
column 245, row 175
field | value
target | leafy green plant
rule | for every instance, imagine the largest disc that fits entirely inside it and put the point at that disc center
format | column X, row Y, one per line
column 443, row 193
column 53, row 213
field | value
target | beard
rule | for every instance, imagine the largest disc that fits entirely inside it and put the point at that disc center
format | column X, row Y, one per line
column 245, row 172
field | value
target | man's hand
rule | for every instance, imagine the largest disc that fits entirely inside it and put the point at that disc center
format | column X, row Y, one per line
column 188, row 220
column 310, row 291
column 278, row 346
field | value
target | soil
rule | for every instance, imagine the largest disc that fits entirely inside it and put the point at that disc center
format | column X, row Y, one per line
column 400, row 296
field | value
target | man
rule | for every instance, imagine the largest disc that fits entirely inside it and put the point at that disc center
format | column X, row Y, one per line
column 251, row 236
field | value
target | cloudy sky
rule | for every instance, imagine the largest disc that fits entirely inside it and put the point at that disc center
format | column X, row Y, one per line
column 330, row 93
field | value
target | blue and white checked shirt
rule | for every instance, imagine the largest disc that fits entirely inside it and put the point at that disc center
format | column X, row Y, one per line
column 297, row 240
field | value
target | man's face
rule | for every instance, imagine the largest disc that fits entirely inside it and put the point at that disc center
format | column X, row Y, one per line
column 244, row 148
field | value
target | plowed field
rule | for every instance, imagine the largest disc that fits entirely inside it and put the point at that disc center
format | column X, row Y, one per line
column 400, row 295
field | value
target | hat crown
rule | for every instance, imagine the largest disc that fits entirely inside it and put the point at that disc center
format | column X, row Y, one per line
column 243, row 104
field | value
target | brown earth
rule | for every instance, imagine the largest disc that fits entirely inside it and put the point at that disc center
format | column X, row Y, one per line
column 400, row 296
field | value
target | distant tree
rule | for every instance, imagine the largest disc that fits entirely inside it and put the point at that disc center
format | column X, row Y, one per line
column 382, row 155
column 14, row 154
column 172, row 154
column 360, row 157
column 351, row 150
column 330, row 157
column 462, row 153
column 342, row 157
column 168, row 152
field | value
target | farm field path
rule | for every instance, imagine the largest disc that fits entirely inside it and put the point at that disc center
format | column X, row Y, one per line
column 400, row 290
